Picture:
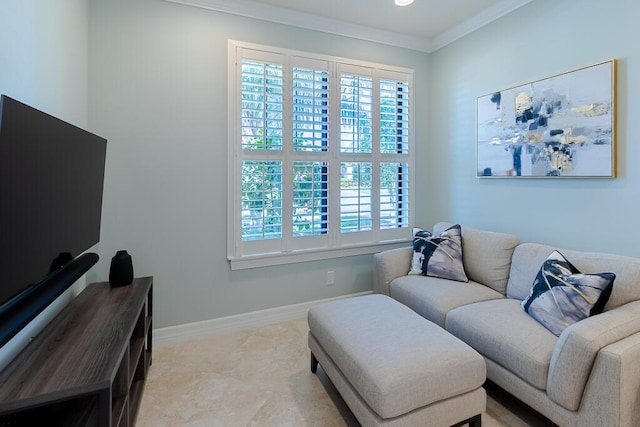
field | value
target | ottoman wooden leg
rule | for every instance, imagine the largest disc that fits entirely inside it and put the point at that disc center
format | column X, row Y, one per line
column 314, row 364
column 473, row 422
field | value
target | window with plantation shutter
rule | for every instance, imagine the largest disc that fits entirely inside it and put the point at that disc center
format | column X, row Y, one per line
column 320, row 156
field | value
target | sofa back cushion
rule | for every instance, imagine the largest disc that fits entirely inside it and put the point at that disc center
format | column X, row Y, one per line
column 486, row 255
column 529, row 257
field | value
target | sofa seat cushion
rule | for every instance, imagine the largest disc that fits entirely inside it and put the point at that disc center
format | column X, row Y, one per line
column 433, row 298
column 502, row 332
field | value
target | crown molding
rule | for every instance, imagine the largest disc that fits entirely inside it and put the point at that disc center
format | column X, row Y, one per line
column 265, row 12
column 490, row 14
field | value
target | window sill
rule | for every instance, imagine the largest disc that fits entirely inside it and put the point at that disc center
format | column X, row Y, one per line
column 266, row 260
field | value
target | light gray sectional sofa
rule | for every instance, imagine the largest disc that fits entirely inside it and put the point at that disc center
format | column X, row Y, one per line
column 588, row 376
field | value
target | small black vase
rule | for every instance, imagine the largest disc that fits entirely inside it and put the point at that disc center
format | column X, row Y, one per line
column 121, row 271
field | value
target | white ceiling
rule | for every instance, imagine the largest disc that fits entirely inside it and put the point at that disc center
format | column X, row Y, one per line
column 425, row 25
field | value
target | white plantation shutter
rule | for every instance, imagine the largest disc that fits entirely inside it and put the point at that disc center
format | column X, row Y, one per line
column 394, row 117
column 320, row 156
column 310, row 109
column 262, row 104
column 261, row 200
column 356, row 212
column 394, row 195
column 261, row 131
column 356, row 113
column 309, row 154
column 310, row 199
column 394, row 145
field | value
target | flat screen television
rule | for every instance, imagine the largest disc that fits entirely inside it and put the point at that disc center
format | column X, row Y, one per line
column 51, row 184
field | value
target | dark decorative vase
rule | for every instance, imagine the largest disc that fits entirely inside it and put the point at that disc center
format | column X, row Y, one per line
column 121, row 271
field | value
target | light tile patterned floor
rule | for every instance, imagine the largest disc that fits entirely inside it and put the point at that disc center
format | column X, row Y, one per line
column 261, row 377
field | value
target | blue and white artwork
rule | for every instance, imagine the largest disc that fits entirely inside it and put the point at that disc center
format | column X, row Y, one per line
column 562, row 126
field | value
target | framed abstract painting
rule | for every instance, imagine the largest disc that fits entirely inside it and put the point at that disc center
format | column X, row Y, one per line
column 561, row 126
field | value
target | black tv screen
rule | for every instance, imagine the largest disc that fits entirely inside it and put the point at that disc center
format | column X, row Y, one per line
column 51, row 182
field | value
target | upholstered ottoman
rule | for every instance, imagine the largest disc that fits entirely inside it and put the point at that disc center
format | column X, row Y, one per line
column 395, row 368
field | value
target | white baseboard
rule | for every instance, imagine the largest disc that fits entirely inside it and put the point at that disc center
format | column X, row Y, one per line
column 238, row 322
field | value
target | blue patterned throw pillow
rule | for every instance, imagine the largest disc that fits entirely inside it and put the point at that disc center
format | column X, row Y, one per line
column 438, row 255
column 561, row 295
column 420, row 238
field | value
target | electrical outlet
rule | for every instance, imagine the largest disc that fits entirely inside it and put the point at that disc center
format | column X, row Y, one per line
column 331, row 278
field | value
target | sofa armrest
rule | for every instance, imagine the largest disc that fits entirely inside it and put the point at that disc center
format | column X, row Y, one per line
column 575, row 353
column 389, row 265
column 612, row 394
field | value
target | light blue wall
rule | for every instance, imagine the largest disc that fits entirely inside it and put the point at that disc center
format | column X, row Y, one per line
column 43, row 63
column 158, row 91
column 544, row 38
column 44, row 56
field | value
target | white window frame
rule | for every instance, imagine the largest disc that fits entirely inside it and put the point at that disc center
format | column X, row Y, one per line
column 334, row 244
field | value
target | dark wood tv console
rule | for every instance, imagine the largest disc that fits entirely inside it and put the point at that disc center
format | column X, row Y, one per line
column 87, row 367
